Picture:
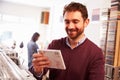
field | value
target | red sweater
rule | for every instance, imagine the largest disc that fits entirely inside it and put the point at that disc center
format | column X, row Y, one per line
column 85, row 62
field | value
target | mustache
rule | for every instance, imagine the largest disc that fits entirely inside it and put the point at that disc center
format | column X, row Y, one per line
column 71, row 30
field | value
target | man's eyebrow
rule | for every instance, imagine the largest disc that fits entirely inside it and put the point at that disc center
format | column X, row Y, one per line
column 71, row 20
column 66, row 20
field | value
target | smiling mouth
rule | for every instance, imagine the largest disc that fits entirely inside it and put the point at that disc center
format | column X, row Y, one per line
column 71, row 31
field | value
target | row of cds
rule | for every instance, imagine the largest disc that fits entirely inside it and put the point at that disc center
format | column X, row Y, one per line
column 10, row 71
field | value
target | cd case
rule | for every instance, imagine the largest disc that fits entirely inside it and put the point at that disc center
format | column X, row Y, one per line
column 55, row 58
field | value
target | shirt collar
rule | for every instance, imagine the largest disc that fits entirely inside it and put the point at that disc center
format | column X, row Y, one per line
column 79, row 43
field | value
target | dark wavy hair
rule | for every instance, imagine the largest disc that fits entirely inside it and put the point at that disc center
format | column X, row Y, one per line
column 75, row 6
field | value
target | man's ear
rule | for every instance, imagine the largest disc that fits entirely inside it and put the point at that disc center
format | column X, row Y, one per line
column 86, row 22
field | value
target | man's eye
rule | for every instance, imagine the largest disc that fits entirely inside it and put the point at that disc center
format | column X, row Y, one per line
column 67, row 22
column 75, row 22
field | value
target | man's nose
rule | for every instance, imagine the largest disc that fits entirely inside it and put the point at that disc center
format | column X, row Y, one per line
column 71, row 25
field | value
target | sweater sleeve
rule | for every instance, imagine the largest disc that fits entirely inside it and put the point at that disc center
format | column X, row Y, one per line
column 96, row 69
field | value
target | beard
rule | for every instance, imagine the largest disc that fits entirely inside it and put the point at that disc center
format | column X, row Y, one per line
column 74, row 33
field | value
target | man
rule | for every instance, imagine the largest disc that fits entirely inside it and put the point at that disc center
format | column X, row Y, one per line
column 32, row 47
column 83, row 59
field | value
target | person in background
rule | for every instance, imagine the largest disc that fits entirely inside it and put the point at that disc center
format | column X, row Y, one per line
column 83, row 59
column 32, row 47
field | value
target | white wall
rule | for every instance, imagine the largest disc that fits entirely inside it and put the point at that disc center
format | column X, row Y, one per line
column 22, row 19
column 93, row 29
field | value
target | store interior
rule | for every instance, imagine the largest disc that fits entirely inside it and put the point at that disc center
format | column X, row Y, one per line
column 19, row 19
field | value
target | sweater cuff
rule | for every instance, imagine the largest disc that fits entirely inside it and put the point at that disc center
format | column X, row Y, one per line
column 37, row 76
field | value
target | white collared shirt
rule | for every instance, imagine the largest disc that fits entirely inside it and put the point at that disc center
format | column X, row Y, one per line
column 79, row 43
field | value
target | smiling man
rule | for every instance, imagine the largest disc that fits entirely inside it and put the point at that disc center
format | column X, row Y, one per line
column 84, row 60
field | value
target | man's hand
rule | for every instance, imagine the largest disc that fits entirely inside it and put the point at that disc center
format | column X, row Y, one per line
column 39, row 62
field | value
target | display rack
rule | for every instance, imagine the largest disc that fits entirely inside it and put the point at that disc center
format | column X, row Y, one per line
column 10, row 71
column 111, row 72
column 110, row 42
